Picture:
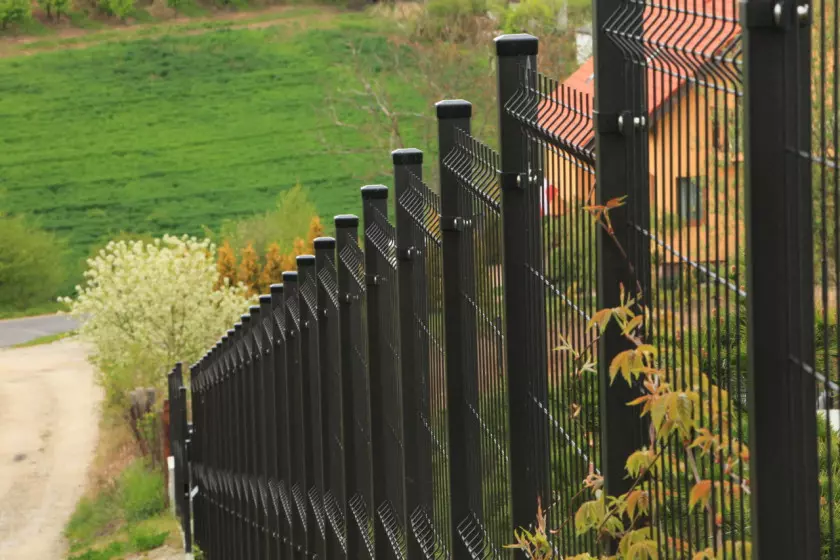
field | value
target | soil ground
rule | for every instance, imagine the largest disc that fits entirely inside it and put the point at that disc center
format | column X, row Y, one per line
column 49, row 410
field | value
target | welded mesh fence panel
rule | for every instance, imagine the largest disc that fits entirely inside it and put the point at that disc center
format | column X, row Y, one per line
column 430, row 521
column 360, row 494
column 386, row 383
column 475, row 166
column 561, row 288
column 686, row 246
column 816, row 169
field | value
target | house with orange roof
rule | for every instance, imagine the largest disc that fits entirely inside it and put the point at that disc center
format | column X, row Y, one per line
column 691, row 64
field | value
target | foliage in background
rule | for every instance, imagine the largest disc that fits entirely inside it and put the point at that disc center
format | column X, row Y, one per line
column 258, row 272
column 32, row 264
column 14, row 11
column 117, row 8
column 145, row 306
column 55, row 8
column 288, row 220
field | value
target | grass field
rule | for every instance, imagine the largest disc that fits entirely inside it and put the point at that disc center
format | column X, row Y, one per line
column 175, row 132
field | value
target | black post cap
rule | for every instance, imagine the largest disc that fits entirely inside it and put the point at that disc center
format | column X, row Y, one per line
column 276, row 289
column 374, row 192
column 453, row 109
column 246, row 320
column 346, row 220
column 265, row 299
column 407, row 156
column 516, row 44
column 254, row 309
column 324, row 243
column 305, row 260
column 289, row 276
column 237, row 327
column 231, row 332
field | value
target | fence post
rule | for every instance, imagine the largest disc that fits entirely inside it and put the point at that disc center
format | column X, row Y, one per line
column 621, row 428
column 331, row 395
column 269, row 425
column 297, row 422
column 249, row 506
column 414, row 357
column 283, row 467
column 312, row 387
column 780, row 284
column 461, row 367
column 350, row 323
column 525, row 331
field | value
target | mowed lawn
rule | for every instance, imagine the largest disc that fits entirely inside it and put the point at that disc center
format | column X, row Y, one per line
column 174, row 133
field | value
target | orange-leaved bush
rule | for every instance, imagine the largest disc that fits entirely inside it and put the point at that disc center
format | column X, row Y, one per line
column 226, row 265
column 272, row 272
column 249, row 269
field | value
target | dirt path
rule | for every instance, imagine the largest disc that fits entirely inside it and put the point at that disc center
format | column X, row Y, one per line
column 48, row 431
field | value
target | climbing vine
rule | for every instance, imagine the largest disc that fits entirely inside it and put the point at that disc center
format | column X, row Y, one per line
column 687, row 412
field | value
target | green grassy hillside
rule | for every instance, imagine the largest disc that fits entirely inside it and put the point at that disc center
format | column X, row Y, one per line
column 173, row 133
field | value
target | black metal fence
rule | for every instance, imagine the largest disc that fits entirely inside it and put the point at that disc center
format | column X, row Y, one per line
column 417, row 385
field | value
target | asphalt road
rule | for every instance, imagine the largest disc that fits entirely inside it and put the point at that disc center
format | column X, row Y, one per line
column 17, row 331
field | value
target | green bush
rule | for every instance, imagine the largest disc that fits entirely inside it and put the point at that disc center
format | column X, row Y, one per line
column 55, row 7
column 31, row 262
column 117, row 8
column 282, row 225
column 14, row 11
column 533, row 16
column 141, row 492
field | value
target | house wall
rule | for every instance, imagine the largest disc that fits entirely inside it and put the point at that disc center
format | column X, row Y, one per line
column 680, row 144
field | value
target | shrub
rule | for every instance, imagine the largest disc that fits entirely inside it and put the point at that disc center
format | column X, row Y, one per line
column 289, row 220
column 249, row 269
column 14, row 11
column 31, row 263
column 55, row 7
column 146, row 306
column 273, row 271
column 534, row 16
column 141, row 492
column 117, row 8
column 226, row 265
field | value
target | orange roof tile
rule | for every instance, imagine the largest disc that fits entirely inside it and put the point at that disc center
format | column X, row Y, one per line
column 684, row 41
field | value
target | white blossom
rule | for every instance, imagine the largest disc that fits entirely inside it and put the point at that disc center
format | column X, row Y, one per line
column 145, row 306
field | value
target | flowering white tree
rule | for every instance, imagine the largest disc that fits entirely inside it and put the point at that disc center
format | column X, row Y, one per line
column 145, row 306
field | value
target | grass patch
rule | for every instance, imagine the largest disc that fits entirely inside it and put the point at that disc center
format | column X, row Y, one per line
column 47, row 308
column 48, row 339
column 123, row 511
column 183, row 131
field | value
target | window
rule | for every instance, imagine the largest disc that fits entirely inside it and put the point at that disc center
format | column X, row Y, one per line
column 690, row 195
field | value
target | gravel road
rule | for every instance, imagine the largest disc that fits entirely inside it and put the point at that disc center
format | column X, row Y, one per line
column 48, row 431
